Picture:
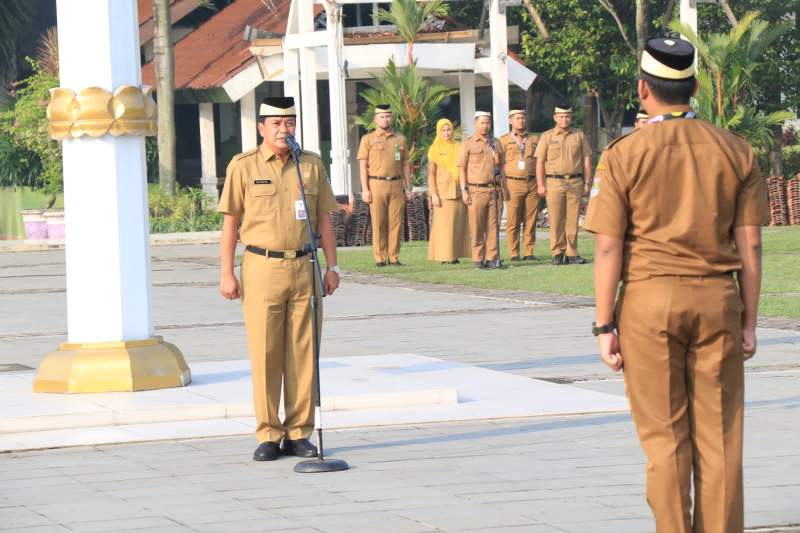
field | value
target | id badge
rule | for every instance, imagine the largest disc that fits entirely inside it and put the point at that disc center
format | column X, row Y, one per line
column 396, row 153
column 521, row 164
column 299, row 210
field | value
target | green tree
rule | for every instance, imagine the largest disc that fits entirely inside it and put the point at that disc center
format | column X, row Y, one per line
column 415, row 102
column 14, row 17
column 409, row 16
column 728, row 87
column 28, row 157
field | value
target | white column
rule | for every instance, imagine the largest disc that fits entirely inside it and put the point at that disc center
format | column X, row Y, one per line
column 291, row 82
column 498, row 38
column 105, row 185
column 688, row 13
column 308, row 81
column 247, row 110
column 340, row 171
column 466, row 99
column 208, row 151
column 353, row 139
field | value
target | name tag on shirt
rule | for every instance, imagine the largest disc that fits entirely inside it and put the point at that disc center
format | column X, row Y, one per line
column 262, row 182
column 521, row 164
column 300, row 210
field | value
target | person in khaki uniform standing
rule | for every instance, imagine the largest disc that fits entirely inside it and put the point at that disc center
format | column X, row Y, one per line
column 385, row 172
column 523, row 201
column 449, row 235
column 263, row 208
column 677, row 216
column 480, row 163
column 563, row 170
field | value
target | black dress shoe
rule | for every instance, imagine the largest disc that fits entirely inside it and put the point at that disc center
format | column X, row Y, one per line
column 529, row 258
column 455, row 262
column 558, row 259
column 396, row 264
column 380, row 263
column 577, row 260
column 515, row 258
column 480, row 264
column 266, row 451
column 298, row 448
column 497, row 263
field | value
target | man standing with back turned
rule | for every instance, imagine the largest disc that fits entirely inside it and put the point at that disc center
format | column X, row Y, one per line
column 677, row 215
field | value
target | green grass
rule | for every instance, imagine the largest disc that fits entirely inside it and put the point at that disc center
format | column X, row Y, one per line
column 781, row 286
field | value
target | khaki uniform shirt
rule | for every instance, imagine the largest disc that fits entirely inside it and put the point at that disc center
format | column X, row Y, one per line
column 674, row 192
column 441, row 182
column 562, row 152
column 520, row 163
column 262, row 189
column 479, row 159
column 385, row 153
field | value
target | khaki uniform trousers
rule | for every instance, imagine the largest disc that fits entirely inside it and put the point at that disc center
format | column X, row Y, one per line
column 680, row 339
column 387, row 211
column 522, row 208
column 564, row 205
column 482, row 224
column 277, row 315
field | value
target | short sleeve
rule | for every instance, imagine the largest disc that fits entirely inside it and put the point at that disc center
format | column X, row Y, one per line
column 326, row 201
column 231, row 202
column 752, row 207
column 541, row 147
column 363, row 148
column 608, row 206
column 462, row 155
column 587, row 150
column 405, row 149
column 501, row 151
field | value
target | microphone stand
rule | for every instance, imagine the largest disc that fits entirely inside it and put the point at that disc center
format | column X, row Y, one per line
column 320, row 464
column 497, row 200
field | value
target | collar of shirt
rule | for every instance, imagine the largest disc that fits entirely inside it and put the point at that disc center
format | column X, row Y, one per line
column 267, row 154
column 478, row 138
column 564, row 133
column 382, row 133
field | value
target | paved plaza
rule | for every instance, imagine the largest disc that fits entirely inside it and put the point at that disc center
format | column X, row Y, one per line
column 576, row 473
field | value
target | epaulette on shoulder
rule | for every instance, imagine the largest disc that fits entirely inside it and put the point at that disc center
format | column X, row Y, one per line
column 312, row 154
column 245, row 154
column 620, row 138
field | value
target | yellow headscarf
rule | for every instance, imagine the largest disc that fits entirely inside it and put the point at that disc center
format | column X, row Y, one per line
column 444, row 153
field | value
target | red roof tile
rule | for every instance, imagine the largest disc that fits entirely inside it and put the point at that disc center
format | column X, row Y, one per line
column 216, row 50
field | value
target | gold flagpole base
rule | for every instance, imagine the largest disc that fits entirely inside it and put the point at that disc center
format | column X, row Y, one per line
column 123, row 366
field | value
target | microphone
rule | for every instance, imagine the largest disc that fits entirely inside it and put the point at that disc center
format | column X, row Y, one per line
column 294, row 147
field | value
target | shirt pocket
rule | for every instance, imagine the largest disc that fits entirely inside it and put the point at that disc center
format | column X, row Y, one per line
column 263, row 200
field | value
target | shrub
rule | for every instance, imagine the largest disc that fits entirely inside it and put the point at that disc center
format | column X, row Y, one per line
column 188, row 210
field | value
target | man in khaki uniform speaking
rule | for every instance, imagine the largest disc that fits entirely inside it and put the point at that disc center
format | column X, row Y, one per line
column 385, row 172
column 677, row 216
column 480, row 163
column 263, row 208
column 563, row 170
column 520, row 170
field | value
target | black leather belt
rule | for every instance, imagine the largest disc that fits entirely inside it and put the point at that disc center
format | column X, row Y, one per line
column 284, row 254
column 482, row 185
column 385, row 178
column 564, row 176
column 520, row 179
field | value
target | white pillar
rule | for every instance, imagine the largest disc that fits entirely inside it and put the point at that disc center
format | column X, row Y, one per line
column 352, row 138
column 247, row 110
column 498, row 38
column 105, row 185
column 688, row 13
column 291, row 82
column 208, row 151
column 308, row 81
column 340, row 171
column 466, row 99
column 110, row 339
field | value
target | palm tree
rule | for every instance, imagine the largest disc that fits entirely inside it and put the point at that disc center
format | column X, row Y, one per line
column 726, row 79
column 409, row 16
column 415, row 102
column 14, row 16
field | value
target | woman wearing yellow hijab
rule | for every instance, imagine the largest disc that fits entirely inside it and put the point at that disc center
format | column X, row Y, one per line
column 449, row 236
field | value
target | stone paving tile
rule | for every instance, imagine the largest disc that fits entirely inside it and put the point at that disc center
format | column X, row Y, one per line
column 152, row 523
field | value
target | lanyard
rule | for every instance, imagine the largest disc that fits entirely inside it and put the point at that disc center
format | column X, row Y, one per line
column 673, row 115
column 521, row 145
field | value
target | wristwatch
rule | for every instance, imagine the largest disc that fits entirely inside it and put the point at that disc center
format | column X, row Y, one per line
column 463, row 188
column 335, row 268
column 599, row 330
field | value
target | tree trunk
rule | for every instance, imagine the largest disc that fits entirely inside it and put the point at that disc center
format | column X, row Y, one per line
column 165, row 94
column 641, row 26
column 590, row 125
column 776, row 154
